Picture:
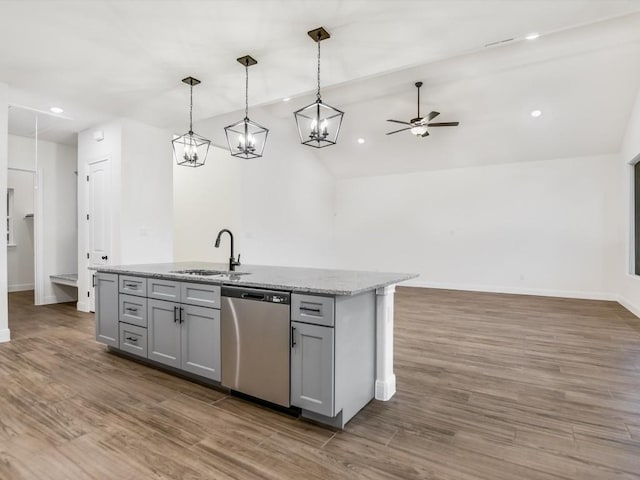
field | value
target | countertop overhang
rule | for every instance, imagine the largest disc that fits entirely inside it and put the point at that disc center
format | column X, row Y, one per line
column 294, row 279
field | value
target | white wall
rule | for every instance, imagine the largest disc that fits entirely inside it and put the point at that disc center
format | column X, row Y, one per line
column 532, row 227
column 627, row 284
column 4, row 128
column 20, row 260
column 280, row 207
column 141, row 195
column 56, row 166
column 146, row 215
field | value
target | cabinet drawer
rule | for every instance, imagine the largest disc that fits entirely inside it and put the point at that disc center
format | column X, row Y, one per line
column 200, row 294
column 163, row 289
column 312, row 309
column 133, row 310
column 133, row 339
column 133, row 285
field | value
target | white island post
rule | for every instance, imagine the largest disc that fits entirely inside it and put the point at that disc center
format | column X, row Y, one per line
column 385, row 378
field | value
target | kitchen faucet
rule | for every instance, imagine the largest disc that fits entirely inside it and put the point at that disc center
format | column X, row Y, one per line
column 232, row 261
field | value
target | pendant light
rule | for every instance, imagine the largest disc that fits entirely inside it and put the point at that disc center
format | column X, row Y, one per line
column 246, row 138
column 191, row 149
column 318, row 123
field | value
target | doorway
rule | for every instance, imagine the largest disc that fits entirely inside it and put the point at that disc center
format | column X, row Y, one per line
column 42, row 206
column 20, row 230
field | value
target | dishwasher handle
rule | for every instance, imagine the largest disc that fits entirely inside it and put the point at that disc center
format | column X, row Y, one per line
column 253, row 296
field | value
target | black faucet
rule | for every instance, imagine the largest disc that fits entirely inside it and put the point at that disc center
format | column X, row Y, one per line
column 232, row 261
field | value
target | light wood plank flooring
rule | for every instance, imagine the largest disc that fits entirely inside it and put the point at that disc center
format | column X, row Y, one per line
column 489, row 387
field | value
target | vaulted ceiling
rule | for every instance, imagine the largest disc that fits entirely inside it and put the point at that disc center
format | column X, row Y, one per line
column 103, row 59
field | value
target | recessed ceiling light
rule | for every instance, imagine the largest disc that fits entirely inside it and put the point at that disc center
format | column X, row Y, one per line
column 56, row 110
column 536, row 113
column 286, row 99
column 532, row 36
column 361, row 141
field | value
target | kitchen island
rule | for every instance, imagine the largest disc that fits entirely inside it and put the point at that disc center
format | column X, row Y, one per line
column 337, row 340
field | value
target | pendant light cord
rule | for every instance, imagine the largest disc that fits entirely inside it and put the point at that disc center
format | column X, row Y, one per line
column 318, row 93
column 246, row 90
column 191, row 110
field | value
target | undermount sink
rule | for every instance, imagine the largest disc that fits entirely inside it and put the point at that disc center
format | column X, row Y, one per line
column 200, row 272
column 209, row 273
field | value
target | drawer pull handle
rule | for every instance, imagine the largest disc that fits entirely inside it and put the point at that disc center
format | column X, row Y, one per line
column 309, row 309
column 131, row 309
column 132, row 286
column 132, row 339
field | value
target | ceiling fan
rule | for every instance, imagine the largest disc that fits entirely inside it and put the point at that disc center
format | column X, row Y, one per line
column 419, row 126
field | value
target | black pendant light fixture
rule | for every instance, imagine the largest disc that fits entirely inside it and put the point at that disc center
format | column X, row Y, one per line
column 246, row 138
column 318, row 123
column 191, row 149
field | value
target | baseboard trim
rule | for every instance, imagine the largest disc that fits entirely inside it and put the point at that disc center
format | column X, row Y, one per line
column 83, row 306
column 5, row 335
column 515, row 290
column 629, row 305
column 20, row 287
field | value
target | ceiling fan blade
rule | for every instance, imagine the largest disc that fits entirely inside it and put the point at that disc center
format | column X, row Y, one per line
column 401, row 130
column 399, row 121
column 432, row 115
column 425, row 134
column 444, row 124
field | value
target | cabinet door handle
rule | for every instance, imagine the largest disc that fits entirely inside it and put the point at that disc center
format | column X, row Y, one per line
column 105, row 257
column 293, row 337
column 93, row 280
column 181, row 311
column 175, row 314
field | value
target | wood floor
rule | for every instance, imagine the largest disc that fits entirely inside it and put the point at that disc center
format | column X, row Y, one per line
column 489, row 387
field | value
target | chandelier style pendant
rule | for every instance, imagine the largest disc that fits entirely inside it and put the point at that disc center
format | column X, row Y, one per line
column 318, row 123
column 246, row 138
column 191, row 149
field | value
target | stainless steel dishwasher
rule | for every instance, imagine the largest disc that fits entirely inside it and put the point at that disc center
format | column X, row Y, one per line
column 255, row 329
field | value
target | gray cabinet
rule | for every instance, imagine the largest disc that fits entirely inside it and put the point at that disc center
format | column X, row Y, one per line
column 163, row 331
column 201, row 341
column 161, row 289
column 312, row 368
column 185, row 337
column 107, row 309
column 133, row 339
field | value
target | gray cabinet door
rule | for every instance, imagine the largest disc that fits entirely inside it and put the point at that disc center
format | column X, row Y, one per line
column 201, row 341
column 312, row 363
column 107, row 309
column 163, row 331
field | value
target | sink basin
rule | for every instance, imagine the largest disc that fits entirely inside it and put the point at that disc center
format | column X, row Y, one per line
column 200, row 272
column 211, row 273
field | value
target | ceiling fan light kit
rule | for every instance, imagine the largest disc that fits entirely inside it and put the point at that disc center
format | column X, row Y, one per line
column 246, row 138
column 419, row 126
column 191, row 149
column 318, row 123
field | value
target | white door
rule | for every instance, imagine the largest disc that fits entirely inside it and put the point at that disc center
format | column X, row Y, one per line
column 99, row 218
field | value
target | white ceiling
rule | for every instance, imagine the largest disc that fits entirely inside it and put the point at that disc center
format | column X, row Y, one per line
column 102, row 59
column 585, row 81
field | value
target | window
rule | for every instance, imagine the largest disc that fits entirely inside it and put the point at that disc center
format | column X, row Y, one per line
column 10, row 216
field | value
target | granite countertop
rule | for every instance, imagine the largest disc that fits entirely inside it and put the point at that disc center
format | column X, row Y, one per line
column 294, row 279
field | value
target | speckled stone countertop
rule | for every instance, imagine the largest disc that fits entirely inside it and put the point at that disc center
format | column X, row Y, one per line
column 294, row 279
